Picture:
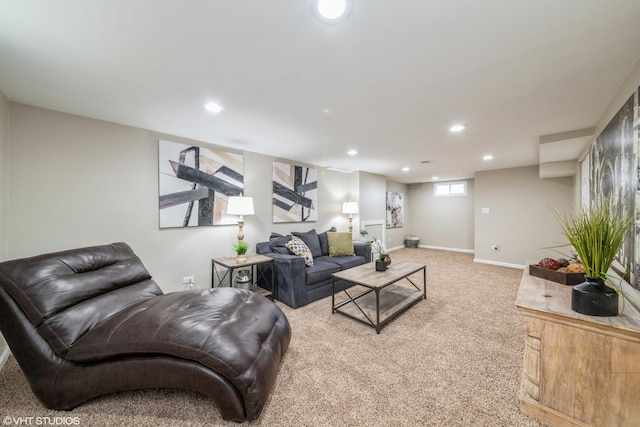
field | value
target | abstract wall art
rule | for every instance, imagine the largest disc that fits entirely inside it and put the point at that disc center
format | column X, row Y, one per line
column 614, row 176
column 195, row 183
column 295, row 193
column 395, row 209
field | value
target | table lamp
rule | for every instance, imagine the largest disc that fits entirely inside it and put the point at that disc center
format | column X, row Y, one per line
column 350, row 208
column 240, row 205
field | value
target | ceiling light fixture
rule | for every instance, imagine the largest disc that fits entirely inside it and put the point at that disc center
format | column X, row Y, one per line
column 435, row 177
column 331, row 9
column 352, row 152
column 406, row 169
column 487, row 157
column 212, row 107
column 456, row 128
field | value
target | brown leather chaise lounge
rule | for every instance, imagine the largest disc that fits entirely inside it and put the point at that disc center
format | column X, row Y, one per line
column 87, row 322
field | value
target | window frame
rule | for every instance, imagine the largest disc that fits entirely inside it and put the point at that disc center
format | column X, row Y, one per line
column 449, row 186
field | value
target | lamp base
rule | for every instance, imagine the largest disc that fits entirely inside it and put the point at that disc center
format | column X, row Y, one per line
column 240, row 231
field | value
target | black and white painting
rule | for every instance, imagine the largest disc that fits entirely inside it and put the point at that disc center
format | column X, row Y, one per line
column 395, row 209
column 614, row 177
column 195, row 183
column 295, row 193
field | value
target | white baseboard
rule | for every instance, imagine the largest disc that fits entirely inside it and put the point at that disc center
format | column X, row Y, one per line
column 501, row 264
column 4, row 356
column 442, row 248
column 468, row 251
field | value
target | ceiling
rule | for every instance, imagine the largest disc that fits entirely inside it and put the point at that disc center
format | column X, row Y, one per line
column 388, row 81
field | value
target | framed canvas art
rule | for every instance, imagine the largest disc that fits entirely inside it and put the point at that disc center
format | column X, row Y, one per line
column 195, row 183
column 613, row 171
column 395, row 209
column 295, row 193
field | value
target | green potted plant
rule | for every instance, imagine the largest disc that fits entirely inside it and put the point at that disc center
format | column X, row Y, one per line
column 596, row 235
column 363, row 234
column 241, row 249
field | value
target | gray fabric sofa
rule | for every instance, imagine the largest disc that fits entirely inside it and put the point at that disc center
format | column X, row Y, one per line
column 296, row 284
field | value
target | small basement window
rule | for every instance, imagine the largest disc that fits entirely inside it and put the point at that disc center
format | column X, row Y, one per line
column 450, row 189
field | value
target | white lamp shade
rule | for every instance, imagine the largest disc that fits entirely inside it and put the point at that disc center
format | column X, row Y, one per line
column 240, row 205
column 350, row 208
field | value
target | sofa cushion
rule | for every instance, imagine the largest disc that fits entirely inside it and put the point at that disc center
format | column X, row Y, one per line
column 297, row 247
column 234, row 332
column 321, row 271
column 340, row 244
column 344, row 262
column 278, row 243
column 324, row 244
column 310, row 238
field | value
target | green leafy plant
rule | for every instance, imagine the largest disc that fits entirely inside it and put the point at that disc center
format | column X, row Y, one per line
column 596, row 235
column 363, row 232
column 241, row 248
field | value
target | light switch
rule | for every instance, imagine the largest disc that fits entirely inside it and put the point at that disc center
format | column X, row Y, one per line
column 485, row 210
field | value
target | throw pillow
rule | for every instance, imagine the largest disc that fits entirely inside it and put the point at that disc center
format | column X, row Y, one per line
column 278, row 243
column 297, row 247
column 340, row 244
column 324, row 245
column 310, row 238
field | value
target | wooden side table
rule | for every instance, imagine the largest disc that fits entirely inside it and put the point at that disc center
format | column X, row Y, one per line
column 228, row 265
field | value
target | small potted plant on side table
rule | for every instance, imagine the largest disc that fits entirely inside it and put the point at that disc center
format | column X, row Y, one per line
column 241, row 249
column 363, row 235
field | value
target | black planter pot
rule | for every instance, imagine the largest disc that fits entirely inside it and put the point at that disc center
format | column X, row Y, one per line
column 594, row 298
column 381, row 265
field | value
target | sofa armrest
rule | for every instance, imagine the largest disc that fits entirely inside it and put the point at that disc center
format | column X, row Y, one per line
column 291, row 279
column 363, row 249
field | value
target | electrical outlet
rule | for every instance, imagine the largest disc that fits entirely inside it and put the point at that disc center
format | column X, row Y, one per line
column 187, row 280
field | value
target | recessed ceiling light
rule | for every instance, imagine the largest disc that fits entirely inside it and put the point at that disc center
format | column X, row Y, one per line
column 213, row 107
column 456, row 128
column 436, row 177
column 352, row 152
column 487, row 157
column 332, row 9
column 406, row 169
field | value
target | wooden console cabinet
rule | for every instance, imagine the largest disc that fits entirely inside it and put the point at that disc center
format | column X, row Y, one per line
column 578, row 370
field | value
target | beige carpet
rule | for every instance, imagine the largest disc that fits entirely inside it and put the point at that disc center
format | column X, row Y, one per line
column 452, row 360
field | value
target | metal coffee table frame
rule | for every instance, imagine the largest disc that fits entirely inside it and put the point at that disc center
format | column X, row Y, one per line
column 365, row 275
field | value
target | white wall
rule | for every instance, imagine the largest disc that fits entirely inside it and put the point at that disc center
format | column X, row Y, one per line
column 520, row 218
column 442, row 222
column 626, row 89
column 79, row 181
column 372, row 199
